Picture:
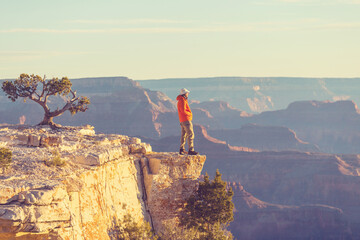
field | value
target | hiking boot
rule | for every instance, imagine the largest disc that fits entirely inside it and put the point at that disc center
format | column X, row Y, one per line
column 182, row 152
column 192, row 152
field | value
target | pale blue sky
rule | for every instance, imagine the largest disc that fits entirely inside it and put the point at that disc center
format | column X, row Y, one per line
column 144, row 39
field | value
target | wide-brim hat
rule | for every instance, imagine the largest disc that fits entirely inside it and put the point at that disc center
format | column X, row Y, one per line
column 184, row 91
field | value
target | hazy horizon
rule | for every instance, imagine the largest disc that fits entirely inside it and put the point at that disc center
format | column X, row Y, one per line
column 196, row 77
column 187, row 39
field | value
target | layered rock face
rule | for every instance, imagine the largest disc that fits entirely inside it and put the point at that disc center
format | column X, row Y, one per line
column 260, row 93
column 219, row 114
column 264, row 138
column 169, row 179
column 298, row 195
column 332, row 126
column 121, row 105
column 203, row 142
column 104, row 178
column 256, row 219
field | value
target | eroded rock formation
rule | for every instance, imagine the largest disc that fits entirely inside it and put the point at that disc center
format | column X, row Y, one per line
column 264, row 138
column 104, row 178
column 256, row 219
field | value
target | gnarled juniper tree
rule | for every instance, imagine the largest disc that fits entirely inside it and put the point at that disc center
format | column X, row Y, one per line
column 39, row 90
column 210, row 209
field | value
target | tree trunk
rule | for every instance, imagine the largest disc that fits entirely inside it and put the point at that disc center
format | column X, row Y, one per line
column 49, row 116
column 48, row 120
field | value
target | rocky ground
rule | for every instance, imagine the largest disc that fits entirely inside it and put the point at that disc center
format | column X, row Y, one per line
column 71, row 183
column 35, row 150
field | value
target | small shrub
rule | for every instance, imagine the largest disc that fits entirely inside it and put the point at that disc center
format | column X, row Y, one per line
column 56, row 161
column 5, row 158
column 172, row 231
column 131, row 230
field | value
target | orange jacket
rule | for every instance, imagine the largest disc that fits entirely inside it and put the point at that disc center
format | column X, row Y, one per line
column 184, row 110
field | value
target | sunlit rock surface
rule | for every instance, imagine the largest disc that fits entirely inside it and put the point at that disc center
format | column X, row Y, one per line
column 104, row 178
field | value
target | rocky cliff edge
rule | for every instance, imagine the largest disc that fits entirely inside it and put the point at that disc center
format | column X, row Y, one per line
column 75, row 184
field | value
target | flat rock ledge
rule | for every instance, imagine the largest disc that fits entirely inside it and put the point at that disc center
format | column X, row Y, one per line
column 71, row 183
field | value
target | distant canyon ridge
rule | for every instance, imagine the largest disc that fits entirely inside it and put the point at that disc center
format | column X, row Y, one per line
column 316, row 115
column 258, row 94
column 289, row 147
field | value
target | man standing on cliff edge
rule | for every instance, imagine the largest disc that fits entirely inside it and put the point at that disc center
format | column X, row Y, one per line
column 185, row 118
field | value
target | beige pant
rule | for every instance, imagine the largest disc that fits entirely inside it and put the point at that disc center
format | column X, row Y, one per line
column 187, row 132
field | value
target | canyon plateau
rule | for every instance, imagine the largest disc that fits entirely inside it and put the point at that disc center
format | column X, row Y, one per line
column 102, row 178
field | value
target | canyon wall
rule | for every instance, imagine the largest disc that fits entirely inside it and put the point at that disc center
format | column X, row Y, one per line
column 75, row 184
column 305, row 123
column 256, row 219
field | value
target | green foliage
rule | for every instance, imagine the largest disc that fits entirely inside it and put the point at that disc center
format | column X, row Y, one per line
column 131, row 230
column 80, row 106
column 5, row 158
column 217, row 232
column 56, row 86
column 39, row 89
column 24, row 86
column 210, row 209
column 56, row 160
column 174, row 232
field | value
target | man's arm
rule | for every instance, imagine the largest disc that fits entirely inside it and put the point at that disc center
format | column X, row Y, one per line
column 183, row 109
